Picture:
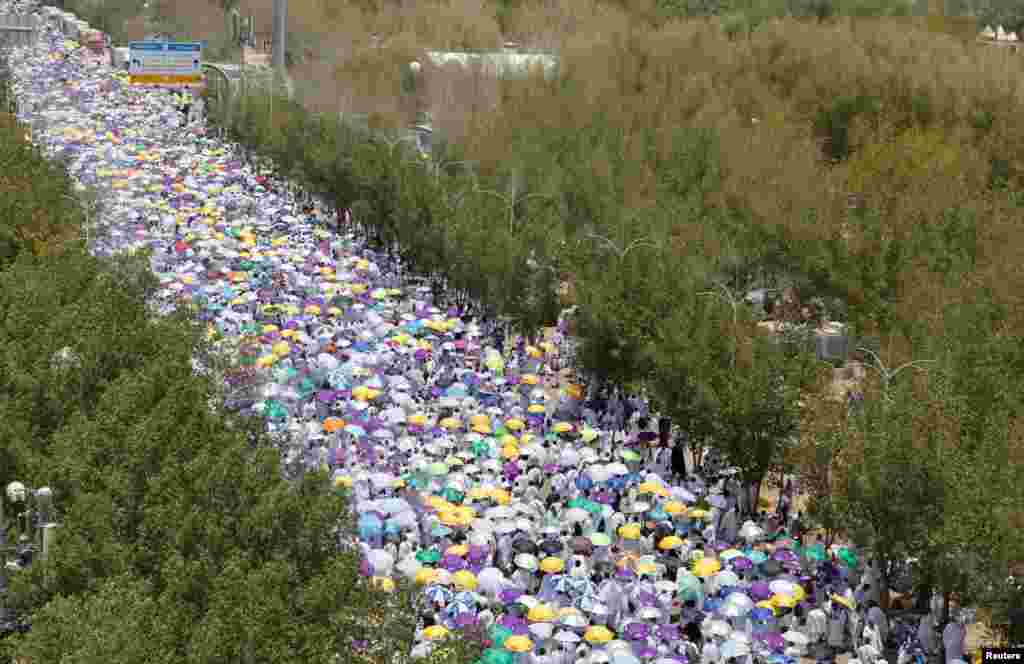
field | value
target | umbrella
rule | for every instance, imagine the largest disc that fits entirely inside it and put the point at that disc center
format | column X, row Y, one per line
column 598, row 634
column 637, row 631
column 435, row 633
column 526, row 561
column 796, row 638
column 518, row 644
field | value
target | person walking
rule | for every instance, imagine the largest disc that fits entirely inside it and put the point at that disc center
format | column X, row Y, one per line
column 953, row 638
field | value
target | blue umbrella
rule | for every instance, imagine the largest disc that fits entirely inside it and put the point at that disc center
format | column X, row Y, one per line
column 584, row 483
column 355, row 430
column 437, row 593
column 369, row 526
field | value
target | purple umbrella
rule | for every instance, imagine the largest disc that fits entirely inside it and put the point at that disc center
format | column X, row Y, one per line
column 464, row 620
column 760, row 591
column 637, row 631
column 773, row 640
column 647, row 599
column 784, row 556
column 741, row 564
column 477, row 553
column 646, row 436
column 510, row 595
column 326, row 396
column 647, row 652
column 453, row 563
column 625, row 573
column 604, row 497
column 667, row 632
column 551, row 468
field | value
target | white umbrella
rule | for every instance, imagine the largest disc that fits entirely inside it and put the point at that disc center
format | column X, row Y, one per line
column 382, row 562
column 717, row 628
column 782, row 587
column 796, row 638
column 490, row 580
column 565, row 636
column 576, row 515
column 618, row 468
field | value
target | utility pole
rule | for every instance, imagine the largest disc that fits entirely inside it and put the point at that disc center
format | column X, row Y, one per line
column 279, row 35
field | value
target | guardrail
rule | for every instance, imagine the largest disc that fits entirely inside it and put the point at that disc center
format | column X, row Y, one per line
column 18, row 30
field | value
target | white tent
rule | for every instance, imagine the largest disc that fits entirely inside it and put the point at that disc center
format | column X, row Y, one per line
column 1000, row 34
column 988, row 32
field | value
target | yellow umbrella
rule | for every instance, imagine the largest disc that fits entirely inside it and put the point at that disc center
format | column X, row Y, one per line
column 575, row 391
column 464, row 580
column 700, row 514
column 562, row 427
column 426, row 576
column 418, row 419
column 767, row 604
column 501, row 496
column 266, row 361
column 841, row 600
column 479, row 419
column 673, row 507
column 536, row 409
column 343, row 480
column 534, row 352
column 483, row 428
column 783, row 601
column 598, row 634
column 382, row 583
column 312, row 309
column 332, row 424
column 282, row 348
column 589, row 435
column 552, row 565
column 457, row 550
column 360, row 393
column 530, row 379
column 706, row 567
column 510, row 452
column 439, row 503
column 478, row 493
column 518, row 644
column 509, row 439
column 648, row 487
column 799, row 594
column 450, row 423
column 435, row 633
column 514, row 424
column 630, row 531
column 670, row 542
column 541, row 613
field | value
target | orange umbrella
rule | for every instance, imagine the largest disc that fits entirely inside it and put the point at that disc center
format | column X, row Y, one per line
column 332, row 424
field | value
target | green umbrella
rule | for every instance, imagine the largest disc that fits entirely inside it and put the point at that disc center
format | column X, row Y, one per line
column 630, row 455
column 847, row 557
column 274, row 410
column 492, row 656
column 428, row 556
column 437, row 469
column 577, row 502
column 499, row 633
column 453, row 495
column 480, row 448
column 815, row 552
column 592, row 507
column 600, row 539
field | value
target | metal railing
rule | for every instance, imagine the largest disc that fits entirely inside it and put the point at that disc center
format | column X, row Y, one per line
column 18, row 31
